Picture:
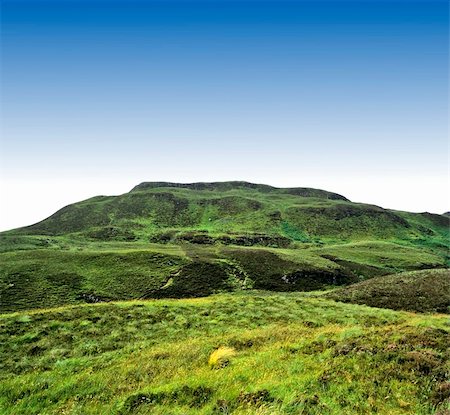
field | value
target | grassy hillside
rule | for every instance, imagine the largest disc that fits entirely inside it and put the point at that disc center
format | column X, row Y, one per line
column 284, row 353
column 169, row 211
column 427, row 290
column 48, row 277
column 188, row 240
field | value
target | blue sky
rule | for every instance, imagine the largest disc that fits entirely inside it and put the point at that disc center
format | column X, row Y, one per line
column 347, row 96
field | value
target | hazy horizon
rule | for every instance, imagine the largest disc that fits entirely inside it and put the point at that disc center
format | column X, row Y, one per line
column 345, row 96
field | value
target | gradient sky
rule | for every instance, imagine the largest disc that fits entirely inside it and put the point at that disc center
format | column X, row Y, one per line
column 348, row 96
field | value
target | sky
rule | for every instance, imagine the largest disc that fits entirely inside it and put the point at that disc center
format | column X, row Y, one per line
column 347, row 96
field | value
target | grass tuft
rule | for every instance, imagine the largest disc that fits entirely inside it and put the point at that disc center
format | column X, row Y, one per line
column 221, row 357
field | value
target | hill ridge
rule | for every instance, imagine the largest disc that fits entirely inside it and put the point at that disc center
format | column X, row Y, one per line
column 240, row 184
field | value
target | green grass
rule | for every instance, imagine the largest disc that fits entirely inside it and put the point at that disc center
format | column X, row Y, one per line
column 386, row 257
column 47, row 278
column 427, row 290
column 294, row 354
column 68, row 272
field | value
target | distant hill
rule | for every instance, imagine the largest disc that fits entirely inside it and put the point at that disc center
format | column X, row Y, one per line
column 165, row 211
column 185, row 240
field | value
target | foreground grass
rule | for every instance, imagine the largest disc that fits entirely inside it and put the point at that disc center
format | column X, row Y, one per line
column 292, row 354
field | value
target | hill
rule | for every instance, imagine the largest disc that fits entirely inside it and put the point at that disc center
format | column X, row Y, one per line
column 427, row 290
column 170, row 211
column 243, row 353
column 187, row 240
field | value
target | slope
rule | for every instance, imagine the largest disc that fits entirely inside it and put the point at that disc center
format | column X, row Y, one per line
column 427, row 290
